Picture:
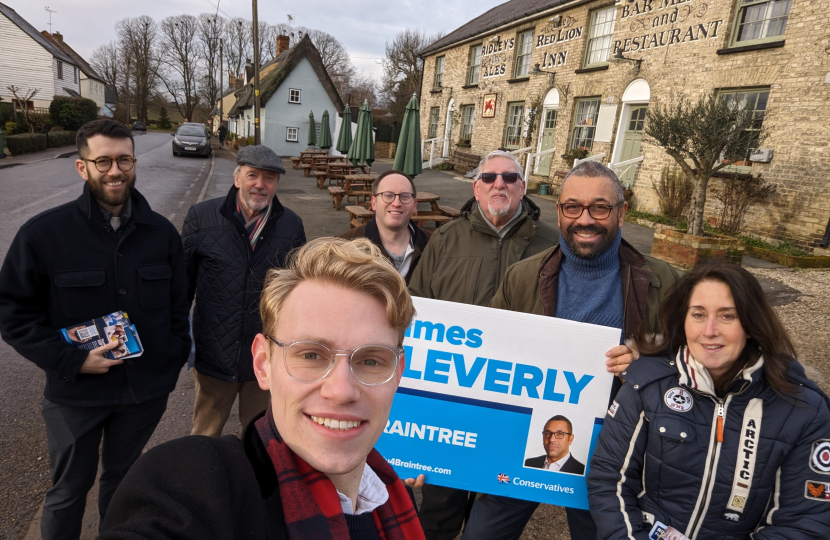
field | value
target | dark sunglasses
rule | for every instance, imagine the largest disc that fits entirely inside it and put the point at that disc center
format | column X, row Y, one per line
column 507, row 177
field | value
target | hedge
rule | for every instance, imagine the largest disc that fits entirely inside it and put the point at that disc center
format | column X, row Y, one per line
column 71, row 112
column 26, row 142
column 61, row 138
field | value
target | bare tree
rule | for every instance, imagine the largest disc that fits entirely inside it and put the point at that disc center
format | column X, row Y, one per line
column 22, row 97
column 138, row 38
column 402, row 68
column 335, row 58
column 107, row 62
column 237, row 45
column 267, row 42
column 179, row 61
column 361, row 87
column 211, row 30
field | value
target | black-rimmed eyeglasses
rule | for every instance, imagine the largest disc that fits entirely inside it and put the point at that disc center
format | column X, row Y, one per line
column 389, row 196
column 597, row 211
column 555, row 434
column 311, row 361
column 104, row 164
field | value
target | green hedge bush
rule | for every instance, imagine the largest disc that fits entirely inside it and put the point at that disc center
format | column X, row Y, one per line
column 71, row 112
column 61, row 138
column 25, row 143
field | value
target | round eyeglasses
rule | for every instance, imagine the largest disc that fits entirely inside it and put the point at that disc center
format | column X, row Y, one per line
column 389, row 196
column 555, row 434
column 311, row 361
column 597, row 211
column 104, row 164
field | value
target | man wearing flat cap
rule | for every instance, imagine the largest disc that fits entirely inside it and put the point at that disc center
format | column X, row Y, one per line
column 230, row 243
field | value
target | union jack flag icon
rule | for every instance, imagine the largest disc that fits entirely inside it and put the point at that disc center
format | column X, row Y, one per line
column 503, row 478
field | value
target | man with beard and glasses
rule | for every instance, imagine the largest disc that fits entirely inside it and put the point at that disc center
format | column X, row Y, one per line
column 464, row 262
column 592, row 276
column 105, row 252
column 230, row 244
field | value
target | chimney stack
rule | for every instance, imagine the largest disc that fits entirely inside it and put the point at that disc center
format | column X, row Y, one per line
column 282, row 44
column 58, row 37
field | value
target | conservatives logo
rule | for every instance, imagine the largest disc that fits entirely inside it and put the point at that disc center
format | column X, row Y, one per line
column 503, row 478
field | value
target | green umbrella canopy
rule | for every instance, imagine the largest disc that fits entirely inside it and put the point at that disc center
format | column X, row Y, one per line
column 408, row 152
column 325, row 132
column 312, row 129
column 344, row 139
column 363, row 146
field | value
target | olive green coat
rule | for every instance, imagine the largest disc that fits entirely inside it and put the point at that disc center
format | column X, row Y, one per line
column 531, row 286
column 465, row 260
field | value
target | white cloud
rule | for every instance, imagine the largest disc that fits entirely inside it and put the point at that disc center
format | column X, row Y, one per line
column 363, row 26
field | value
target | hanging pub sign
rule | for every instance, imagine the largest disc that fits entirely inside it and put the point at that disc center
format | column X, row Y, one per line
column 488, row 110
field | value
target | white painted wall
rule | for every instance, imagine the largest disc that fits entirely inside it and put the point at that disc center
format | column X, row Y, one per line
column 93, row 89
column 24, row 63
column 71, row 78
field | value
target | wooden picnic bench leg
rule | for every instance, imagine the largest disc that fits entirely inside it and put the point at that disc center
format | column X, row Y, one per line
column 338, row 199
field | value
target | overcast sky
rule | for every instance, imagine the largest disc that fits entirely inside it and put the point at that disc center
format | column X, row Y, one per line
column 362, row 26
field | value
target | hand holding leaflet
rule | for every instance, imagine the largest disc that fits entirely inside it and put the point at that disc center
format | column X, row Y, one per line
column 97, row 363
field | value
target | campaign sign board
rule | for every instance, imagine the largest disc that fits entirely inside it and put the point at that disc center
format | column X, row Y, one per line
column 479, row 387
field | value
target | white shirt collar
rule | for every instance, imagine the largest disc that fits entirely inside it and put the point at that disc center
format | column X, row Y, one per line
column 557, row 465
column 371, row 493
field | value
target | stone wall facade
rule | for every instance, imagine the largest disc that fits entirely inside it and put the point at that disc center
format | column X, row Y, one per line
column 687, row 48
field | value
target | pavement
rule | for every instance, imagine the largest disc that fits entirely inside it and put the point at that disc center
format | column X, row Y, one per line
column 171, row 185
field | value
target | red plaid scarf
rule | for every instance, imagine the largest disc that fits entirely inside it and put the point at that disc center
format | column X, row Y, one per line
column 310, row 502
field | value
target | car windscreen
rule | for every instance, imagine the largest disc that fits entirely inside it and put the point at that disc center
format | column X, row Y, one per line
column 191, row 132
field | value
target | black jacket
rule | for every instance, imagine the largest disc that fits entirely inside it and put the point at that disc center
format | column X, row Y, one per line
column 226, row 276
column 658, row 457
column 571, row 466
column 370, row 231
column 199, row 488
column 66, row 266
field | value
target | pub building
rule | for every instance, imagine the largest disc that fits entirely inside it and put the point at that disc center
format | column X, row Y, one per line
column 542, row 74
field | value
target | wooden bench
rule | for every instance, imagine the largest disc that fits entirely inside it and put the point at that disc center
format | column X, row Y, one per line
column 295, row 162
column 435, row 218
column 449, row 211
column 321, row 178
column 358, row 216
column 306, row 167
column 464, row 162
column 337, row 194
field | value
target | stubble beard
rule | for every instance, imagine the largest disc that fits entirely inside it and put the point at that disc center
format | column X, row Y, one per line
column 256, row 207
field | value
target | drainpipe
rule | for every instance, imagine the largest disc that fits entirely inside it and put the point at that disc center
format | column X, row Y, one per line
column 826, row 240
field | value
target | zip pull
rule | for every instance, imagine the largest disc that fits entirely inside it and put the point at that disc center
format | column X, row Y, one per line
column 720, row 422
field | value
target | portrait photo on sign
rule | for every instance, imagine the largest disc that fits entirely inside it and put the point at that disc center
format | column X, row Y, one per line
column 556, row 443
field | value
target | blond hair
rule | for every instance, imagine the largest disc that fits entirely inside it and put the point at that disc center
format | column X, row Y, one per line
column 357, row 265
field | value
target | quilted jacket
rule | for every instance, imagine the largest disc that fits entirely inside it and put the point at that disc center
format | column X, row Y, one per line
column 661, row 457
column 226, row 276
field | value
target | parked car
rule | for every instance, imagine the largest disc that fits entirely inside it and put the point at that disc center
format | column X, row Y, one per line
column 139, row 126
column 192, row 139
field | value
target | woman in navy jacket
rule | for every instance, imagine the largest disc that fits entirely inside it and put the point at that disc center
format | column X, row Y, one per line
column 717, row 432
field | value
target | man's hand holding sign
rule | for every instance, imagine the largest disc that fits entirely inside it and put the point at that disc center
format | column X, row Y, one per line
column 481, row 385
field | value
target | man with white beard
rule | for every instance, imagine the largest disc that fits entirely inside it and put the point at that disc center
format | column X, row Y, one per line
column 230, row 244
column 464, row 262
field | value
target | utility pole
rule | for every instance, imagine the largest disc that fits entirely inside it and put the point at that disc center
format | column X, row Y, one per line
column 221, row 88
column 257, row 137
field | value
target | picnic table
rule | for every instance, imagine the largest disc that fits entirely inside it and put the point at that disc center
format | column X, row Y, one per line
column 335, row 171
column 438, row 214
column 305, row 158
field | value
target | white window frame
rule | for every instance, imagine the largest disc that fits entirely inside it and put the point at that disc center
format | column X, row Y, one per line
column 295, row 132
column 600, row 37
column 291, row 95
column 474, row 71
column 468, row 113
column 524, row 52
column 434, row 115
column 771, row 21
column 440, row 64
column 514, row 130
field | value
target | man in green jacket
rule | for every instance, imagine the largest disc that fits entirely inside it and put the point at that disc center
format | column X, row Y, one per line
column 464, row 262
column 592, row 276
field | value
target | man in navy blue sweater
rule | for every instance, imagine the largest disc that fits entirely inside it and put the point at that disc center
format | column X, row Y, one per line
column 592, row 276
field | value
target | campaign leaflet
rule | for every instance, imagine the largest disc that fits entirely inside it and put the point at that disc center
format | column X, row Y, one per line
column 97, row 332
column 480, row 387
